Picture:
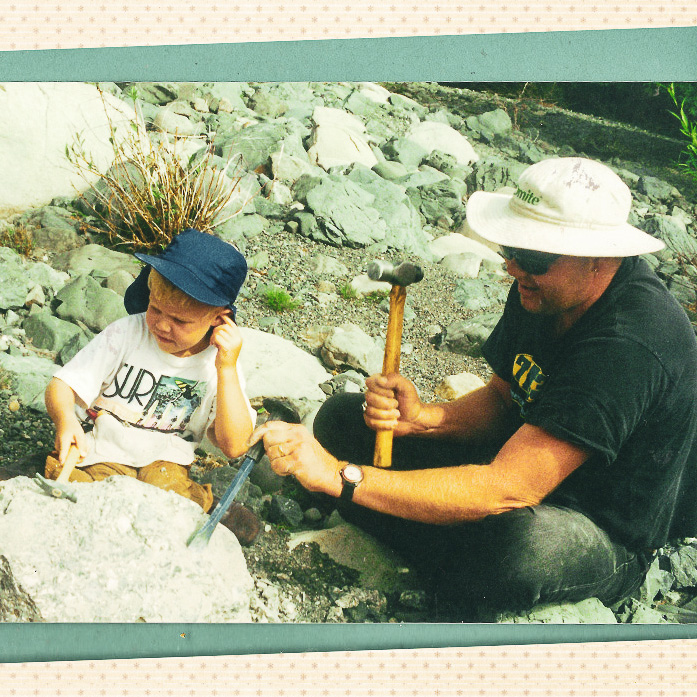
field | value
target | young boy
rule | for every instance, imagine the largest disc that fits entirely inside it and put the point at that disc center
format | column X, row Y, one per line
column 156, row 382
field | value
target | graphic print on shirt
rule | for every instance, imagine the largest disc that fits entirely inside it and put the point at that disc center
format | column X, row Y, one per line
column 528, row 380
column 136, row 397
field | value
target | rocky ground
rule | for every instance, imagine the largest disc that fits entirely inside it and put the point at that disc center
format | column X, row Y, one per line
column 306, row 585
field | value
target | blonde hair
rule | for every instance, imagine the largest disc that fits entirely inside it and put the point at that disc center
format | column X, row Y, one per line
column 165, row 291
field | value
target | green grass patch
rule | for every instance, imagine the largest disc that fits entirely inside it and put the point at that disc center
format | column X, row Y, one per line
column 278, row 299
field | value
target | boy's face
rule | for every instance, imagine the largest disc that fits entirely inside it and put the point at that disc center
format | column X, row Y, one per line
column 180, row 331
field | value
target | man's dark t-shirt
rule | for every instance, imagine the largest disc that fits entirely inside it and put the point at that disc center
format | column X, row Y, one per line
column 622, row 382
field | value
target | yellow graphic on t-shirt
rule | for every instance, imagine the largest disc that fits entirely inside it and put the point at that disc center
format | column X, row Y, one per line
column 528, row 376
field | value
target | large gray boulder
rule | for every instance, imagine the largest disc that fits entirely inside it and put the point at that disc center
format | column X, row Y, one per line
column 345, row 213
column 432, row 135
column 119, row 554
column 57, row 229
column 84, row 300
column 493, row 172
column 338, row 139
column 683, row 566
column 477, row 295
column 48, row 332
column 14, row 284
column 467, row 336
column 403, row 224
column 97, row 260
column 30, row 375
column 275, row 367
column 589, row 611
column 38, row 121
column 348, row 346
column 673, row 231
column 229, row 93
column 254, row 144
column 15, row 604
column 492, row 123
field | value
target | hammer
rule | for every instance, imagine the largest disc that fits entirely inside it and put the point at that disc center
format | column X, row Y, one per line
column 400, row 277
column 59, row 488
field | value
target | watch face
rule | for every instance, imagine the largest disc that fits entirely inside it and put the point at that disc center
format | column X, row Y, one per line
column 352, row 474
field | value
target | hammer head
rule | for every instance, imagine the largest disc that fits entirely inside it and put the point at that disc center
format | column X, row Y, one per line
column 403, row 274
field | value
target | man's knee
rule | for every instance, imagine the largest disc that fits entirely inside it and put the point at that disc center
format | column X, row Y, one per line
column 336, row 414
column 339, row 427
column 546, row 554
column 509, row 566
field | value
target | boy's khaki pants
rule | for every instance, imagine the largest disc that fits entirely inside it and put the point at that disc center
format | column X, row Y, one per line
column 162, row 474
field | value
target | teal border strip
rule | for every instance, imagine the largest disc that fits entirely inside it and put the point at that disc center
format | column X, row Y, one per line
column 660, row 54
column 609, row 55
column 65, row 642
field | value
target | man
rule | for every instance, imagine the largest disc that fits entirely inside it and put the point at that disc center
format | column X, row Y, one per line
column 559, row 479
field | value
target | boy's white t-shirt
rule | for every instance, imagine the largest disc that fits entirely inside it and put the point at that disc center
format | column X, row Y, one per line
column 154, row 406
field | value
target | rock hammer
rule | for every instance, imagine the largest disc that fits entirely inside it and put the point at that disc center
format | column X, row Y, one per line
column 59, row 488
column 399, row 277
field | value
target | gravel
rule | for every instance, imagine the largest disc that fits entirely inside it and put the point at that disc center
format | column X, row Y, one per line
column 291, row 266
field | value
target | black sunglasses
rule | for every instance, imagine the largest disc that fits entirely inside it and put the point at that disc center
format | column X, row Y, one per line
column 530, row 261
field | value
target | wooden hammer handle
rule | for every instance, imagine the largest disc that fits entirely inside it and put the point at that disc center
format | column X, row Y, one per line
column 382, row 457
column 70, row 461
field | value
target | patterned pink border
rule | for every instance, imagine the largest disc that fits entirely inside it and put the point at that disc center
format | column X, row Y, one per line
column 31, row 25
column 617, row 669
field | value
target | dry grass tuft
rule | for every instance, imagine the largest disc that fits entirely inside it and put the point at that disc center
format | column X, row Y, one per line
column 152, row 191
column 18, row 238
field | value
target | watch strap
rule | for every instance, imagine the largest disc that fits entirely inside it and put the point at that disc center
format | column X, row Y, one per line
column 347, row 489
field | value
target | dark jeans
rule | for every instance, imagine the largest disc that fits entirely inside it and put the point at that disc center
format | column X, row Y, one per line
column 510, row 561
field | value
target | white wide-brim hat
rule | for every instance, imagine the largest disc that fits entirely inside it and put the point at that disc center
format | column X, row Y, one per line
column 566, row 205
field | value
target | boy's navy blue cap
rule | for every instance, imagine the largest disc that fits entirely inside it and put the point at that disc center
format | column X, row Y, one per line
column 201, row 265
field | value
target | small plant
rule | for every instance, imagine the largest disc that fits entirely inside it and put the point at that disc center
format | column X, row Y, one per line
column 377, row 296
column 18, row 238
column 348, row 292
column 5, row 380
column 689, row 129
column 150, row 193
column 279, row 299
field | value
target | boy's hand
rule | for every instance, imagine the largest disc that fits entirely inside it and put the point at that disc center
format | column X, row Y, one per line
column 68, row 434
column 228, row 339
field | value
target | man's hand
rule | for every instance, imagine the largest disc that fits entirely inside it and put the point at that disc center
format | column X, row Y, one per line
column 292, row 449
column 392, row 404
column 228, row 340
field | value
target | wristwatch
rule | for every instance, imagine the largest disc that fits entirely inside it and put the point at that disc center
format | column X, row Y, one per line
column 351, row 477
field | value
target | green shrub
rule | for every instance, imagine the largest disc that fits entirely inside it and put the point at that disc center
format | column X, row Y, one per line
column 687, row 126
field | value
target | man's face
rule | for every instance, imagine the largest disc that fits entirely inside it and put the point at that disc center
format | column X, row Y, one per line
column 177, row 331
column 566, row 287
